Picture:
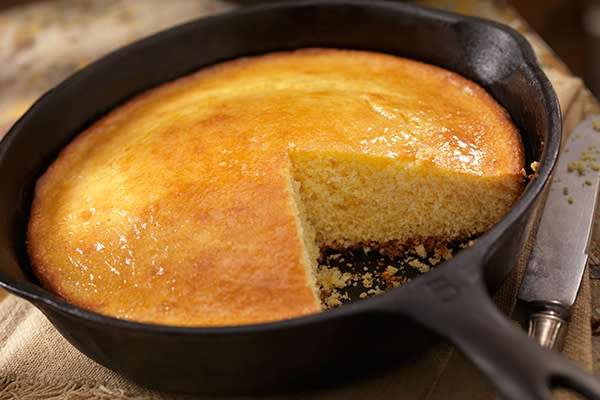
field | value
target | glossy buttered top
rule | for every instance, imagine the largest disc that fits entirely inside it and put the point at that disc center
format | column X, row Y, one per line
column 175, row 207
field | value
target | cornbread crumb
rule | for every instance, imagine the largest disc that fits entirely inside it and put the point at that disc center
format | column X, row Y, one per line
column 444, row 251
column 420, row 250
column 587, row 160
column 397, row 283
column 534, row 166
column 578, row 166
column 376, row 290
column 418, row 265
column 435, row 260
column 333, row 278
column 523, row 172
column 588, row 155
column 596, row 124
column 367, row 280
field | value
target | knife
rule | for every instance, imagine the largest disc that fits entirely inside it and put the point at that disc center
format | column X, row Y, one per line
column 560, row 252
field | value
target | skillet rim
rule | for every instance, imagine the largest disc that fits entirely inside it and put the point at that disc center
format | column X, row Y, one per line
column 39, row 296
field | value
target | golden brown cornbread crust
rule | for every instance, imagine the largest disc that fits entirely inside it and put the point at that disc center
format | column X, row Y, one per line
column 204, row 201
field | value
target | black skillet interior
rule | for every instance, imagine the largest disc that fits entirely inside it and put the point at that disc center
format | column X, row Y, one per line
column 183, row 359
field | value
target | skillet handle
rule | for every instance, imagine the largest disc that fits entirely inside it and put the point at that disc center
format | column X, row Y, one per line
column 458, row 306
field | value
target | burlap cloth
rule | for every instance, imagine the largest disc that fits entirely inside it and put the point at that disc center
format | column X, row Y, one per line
column 37, row 363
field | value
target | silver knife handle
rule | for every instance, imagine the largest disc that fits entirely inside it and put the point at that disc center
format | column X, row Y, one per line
column 548, row 327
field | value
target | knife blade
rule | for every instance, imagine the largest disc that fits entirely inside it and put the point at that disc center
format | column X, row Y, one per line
column 560, row 251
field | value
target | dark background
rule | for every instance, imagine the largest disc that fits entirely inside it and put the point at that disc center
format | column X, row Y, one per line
column 570, row 27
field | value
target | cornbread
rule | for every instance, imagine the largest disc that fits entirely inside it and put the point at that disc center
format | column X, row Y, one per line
column 206, row 201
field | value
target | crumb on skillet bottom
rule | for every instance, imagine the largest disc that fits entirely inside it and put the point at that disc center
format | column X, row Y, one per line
column 346, row 275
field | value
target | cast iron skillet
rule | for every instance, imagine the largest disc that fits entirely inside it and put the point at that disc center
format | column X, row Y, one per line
column 452, row 301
